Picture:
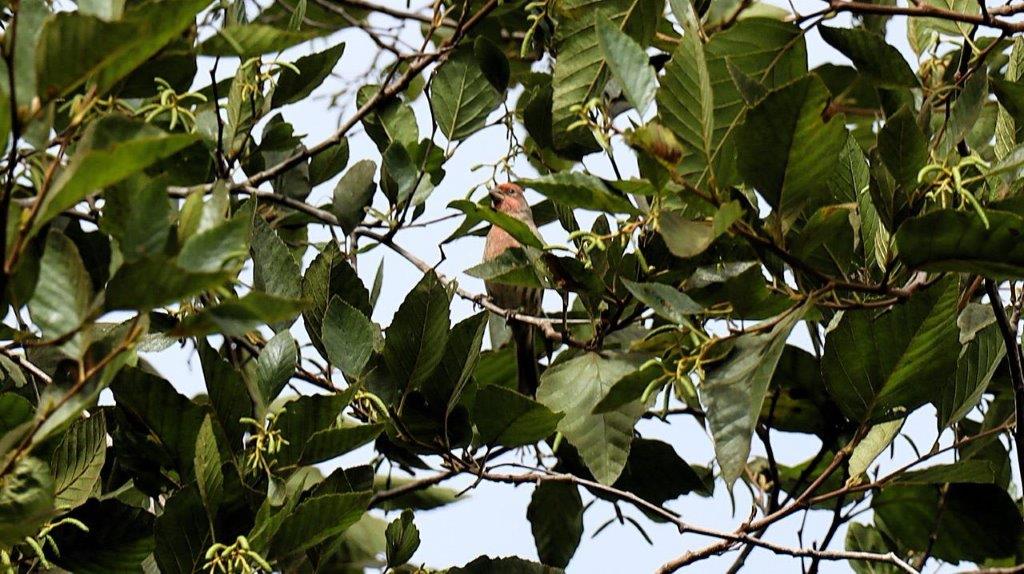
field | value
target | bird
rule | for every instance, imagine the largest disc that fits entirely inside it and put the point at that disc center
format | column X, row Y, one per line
column 508, row 198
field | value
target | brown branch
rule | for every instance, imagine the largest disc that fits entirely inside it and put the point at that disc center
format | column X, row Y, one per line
column 1014, row 359
column 924, row 10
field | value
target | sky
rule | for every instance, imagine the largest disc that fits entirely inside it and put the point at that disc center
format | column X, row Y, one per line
column 492, row 518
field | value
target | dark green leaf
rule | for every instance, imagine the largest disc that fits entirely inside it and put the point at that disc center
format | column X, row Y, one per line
column 556, row 519
column 734, row 391
column 507, row 418
column 579, row 190
column 403, row 538
column 627, row 61
column 881, row 367
column 354, row 193
column 313, row 69
column 874, row 58
column 462, row 96
column 785, row 146
column 574, row 388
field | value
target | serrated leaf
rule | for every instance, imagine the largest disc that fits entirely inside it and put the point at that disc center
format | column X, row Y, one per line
column 26, row 500
column 872, row 56
column 461, row 96
column 63, row 294
column 275, row 366
column 73, row 47
column 574, row 388
column 77, row 461
column 414, row 342
column 254, row 39
column 507, row 418
column 316, row 520
column 579, row 190
column 734, row 391
column 628, row 64
column 785, row 146
column 880, row 368
column 112, row 149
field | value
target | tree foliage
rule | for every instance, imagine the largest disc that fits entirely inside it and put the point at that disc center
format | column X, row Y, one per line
column 823, row 251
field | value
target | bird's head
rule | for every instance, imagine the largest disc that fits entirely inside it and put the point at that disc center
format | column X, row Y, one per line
column 508, row 198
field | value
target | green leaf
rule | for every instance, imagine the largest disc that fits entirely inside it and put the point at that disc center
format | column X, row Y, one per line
column 165, row 283
column 247, row 40
column 26, row 500
column 786, row 149
column 861, row 538
column 305, row 416
column 686, row 103
column 903, row 147
column 331, row 443
column 228, row 394
column 119, row 540
column 182, row 533
column 171, row 418
column 77, row 461
column 330, row 275
column 579, row 190
column 507, row 418
column 461, row 97
column 966, row 244
column 981, row 353
column 962, row 472
column 274, row 269
column 665, row 300
column 347, row 336
column 316, row 520
column 461, row 356
column 881, row 367
column 138, row 216
column 514, row 266
column 209, row 478
column 220, row 248
column 328, row 163
column 556, row 519
column 580, row 71
column 734, row 391
column 402, row 539
column 112, row 149
column 275, row 366
column 574, row 388
column 769, row 52
column 629, row 388
column 687, row 238
column 313, row 69
column 74, row 48
column 238, row 316
column 655, row 473
column 416, row 338
column 493, row 63
column 909, row 515
column 878, row 439
column 883, row 64
column 628, row 63
column 519, row 230
column 63, row 295
column 511, row 565
column 353, row 194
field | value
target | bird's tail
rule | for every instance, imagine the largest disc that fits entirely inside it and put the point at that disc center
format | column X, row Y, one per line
column 526, row 359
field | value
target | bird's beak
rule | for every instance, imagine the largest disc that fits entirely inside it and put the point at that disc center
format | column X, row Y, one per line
column 495, row 194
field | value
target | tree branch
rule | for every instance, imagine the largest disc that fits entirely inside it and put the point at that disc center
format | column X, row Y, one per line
column 1014, row 359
